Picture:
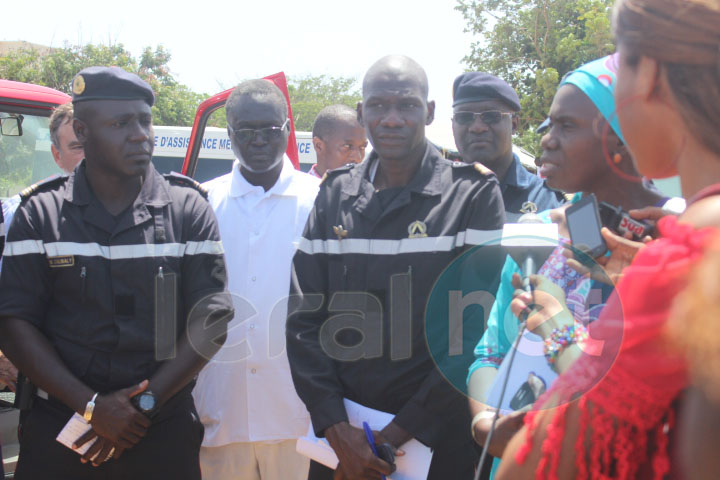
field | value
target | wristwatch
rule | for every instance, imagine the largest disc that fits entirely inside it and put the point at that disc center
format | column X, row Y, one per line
column 90, row 408
column 145, row 402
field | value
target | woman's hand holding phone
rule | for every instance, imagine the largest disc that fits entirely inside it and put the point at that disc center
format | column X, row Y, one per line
column 608, row 269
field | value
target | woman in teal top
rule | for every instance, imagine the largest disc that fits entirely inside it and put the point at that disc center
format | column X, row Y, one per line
column 573, row 160
column 502, row 327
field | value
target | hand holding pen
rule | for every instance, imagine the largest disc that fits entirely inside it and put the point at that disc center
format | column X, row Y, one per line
column 357, row 460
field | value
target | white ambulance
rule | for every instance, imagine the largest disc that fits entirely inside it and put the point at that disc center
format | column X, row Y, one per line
column 215, row 156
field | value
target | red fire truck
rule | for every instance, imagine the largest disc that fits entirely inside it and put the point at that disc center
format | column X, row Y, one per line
column 25, row 158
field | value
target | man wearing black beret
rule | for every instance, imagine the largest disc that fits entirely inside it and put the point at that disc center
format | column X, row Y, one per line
column 112, row 298
column 484, row 108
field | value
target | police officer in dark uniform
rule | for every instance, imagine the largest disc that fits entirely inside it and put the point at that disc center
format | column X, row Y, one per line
column 111, row 298
column 484, row 121
column 379, row 236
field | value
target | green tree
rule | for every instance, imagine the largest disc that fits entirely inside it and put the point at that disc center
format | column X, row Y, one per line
column 175, row 103
column 309, row 95
column 218, row 118
column 531, row 44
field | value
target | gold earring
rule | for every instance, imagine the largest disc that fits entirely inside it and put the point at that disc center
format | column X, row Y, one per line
column 617, row 158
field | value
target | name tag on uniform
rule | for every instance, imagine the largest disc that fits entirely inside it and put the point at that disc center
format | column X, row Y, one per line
column 62, row 261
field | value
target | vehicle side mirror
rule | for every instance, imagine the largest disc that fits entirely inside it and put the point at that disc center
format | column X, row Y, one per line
column 11, row 126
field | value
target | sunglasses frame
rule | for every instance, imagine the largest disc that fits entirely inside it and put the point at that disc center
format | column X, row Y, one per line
column 267, row 133
column 476, row 115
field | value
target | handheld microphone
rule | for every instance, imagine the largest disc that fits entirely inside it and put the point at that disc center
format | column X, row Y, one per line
column 529, row 242
column 620, row 222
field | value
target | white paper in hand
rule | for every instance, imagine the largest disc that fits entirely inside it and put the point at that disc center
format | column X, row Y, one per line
column 414, row 465
column 75, row 428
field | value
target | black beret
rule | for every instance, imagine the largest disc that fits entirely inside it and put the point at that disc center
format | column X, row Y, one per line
column 110, row 83
column 479, row 87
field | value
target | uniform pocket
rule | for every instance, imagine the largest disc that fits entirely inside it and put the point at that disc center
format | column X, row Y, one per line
column 165, row 312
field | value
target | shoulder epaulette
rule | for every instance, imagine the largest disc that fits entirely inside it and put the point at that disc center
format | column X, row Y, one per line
column 335, row 171
column 482, row 169
column 530, row 168
column 451, row 155
column 475, row 166
column 47, row 184
column 180, row 179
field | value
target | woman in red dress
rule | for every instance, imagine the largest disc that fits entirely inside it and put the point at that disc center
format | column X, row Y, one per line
column 693, row 328
column 611, row 414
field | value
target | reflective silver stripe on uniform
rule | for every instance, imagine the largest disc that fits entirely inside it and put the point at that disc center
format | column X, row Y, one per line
column 364, row 246
column 208, row 247
column 114, row 252
column 23, row 247
column 479, row 237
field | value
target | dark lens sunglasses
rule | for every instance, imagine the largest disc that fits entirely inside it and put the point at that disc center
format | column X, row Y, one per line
column 244, row 135
column 490, row 117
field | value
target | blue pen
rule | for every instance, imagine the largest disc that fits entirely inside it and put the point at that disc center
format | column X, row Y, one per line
column 371, row 441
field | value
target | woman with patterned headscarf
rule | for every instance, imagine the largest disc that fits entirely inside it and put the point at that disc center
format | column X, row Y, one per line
column 614, row 416
column 583, row 151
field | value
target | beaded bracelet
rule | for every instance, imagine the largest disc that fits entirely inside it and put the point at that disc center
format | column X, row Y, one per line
column 561, row 338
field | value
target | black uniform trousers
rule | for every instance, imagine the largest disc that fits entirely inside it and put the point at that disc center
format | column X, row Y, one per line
column 170, row 450
column 446, row 464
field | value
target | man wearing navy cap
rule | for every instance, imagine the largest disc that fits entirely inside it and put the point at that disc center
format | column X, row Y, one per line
column 112, row 299
column 484, row 121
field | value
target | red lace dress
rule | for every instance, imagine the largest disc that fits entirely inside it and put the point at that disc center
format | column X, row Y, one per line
column 625, row 394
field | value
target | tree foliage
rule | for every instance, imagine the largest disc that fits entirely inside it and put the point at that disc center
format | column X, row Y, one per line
column 310, row 94
column 175, row 103
column 531, row 44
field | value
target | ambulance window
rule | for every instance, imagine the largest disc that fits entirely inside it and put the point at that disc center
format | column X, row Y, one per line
column 25, row 159
column 216, row 156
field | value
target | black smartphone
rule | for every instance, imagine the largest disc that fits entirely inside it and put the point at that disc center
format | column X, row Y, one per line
column 583, row 221
column 529, row 392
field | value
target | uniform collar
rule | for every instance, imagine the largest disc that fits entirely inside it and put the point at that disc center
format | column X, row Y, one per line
column 426, row 180
column 154, row 191
column 517, row 176
column 284, row 186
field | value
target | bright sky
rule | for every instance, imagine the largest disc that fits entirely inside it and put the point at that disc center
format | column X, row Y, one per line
column 215, row 44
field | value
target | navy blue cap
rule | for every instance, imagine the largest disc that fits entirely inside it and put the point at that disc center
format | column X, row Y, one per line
column 110, row 83
column 479, row 87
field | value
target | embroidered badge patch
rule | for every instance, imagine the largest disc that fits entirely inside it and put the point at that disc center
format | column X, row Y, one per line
column 62, row 261
column 78, row 86
column 529, row 207
column 340, row 232
column 417, row 229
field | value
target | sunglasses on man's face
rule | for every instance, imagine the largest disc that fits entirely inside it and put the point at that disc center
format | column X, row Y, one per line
column 244, row 135
column 491, row 117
